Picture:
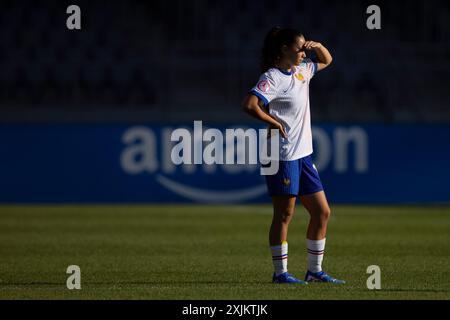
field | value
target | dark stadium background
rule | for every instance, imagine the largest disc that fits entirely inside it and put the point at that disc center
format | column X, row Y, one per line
column 68, row 97
column 162, row 61
column 73, row 102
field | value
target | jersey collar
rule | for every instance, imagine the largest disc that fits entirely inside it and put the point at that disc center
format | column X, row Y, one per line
column 288, row 73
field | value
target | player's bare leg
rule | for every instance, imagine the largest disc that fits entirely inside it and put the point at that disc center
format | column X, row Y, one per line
column 319, row 211
column 317, row 206
column 283, row 211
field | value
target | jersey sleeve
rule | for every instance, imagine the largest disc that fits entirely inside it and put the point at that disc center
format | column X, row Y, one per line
column 310, row 67
column 265, row 89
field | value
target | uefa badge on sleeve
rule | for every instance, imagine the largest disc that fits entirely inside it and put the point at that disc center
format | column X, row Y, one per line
column 263, row 85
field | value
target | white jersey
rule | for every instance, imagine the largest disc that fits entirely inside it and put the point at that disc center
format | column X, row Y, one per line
column 287, row 95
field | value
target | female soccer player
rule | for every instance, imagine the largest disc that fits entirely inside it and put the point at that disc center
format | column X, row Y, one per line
column 281, row 99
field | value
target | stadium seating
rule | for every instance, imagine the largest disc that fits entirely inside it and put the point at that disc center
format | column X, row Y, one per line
column 199, row 58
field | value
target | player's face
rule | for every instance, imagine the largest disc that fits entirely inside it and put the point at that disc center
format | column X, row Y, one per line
column 297, row 52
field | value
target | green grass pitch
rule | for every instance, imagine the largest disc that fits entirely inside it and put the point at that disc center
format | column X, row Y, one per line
column 217, row 252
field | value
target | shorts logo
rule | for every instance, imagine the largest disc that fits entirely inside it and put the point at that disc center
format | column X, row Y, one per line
column 263, row 85
column 286, row 182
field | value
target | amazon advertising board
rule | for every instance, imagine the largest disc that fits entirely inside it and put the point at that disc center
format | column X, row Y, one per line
column 358, row 163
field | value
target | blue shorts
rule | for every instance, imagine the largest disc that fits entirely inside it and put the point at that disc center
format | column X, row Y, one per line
column 297, row 177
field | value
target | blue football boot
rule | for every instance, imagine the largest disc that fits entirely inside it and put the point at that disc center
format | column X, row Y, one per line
column 321, row 277
column 286, row 278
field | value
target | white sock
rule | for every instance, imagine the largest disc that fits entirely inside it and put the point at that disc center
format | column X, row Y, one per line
column 316, row 249
column 280, row 257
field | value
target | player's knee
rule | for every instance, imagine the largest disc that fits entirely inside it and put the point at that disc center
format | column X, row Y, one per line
column 322, row 216
column 325, row 215
column 285, row 215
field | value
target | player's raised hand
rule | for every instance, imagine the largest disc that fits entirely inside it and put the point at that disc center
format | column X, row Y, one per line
column 324, row 57
column 310, row 45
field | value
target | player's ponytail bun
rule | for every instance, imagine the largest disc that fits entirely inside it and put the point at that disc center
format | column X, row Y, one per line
column 275, row 39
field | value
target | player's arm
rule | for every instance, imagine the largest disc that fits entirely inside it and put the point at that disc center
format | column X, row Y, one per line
column 253, row 106
column 324, row 57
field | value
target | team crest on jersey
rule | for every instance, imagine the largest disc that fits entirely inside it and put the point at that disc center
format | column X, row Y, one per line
column 286, row 181
column 263, row 85
column 299, row 76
